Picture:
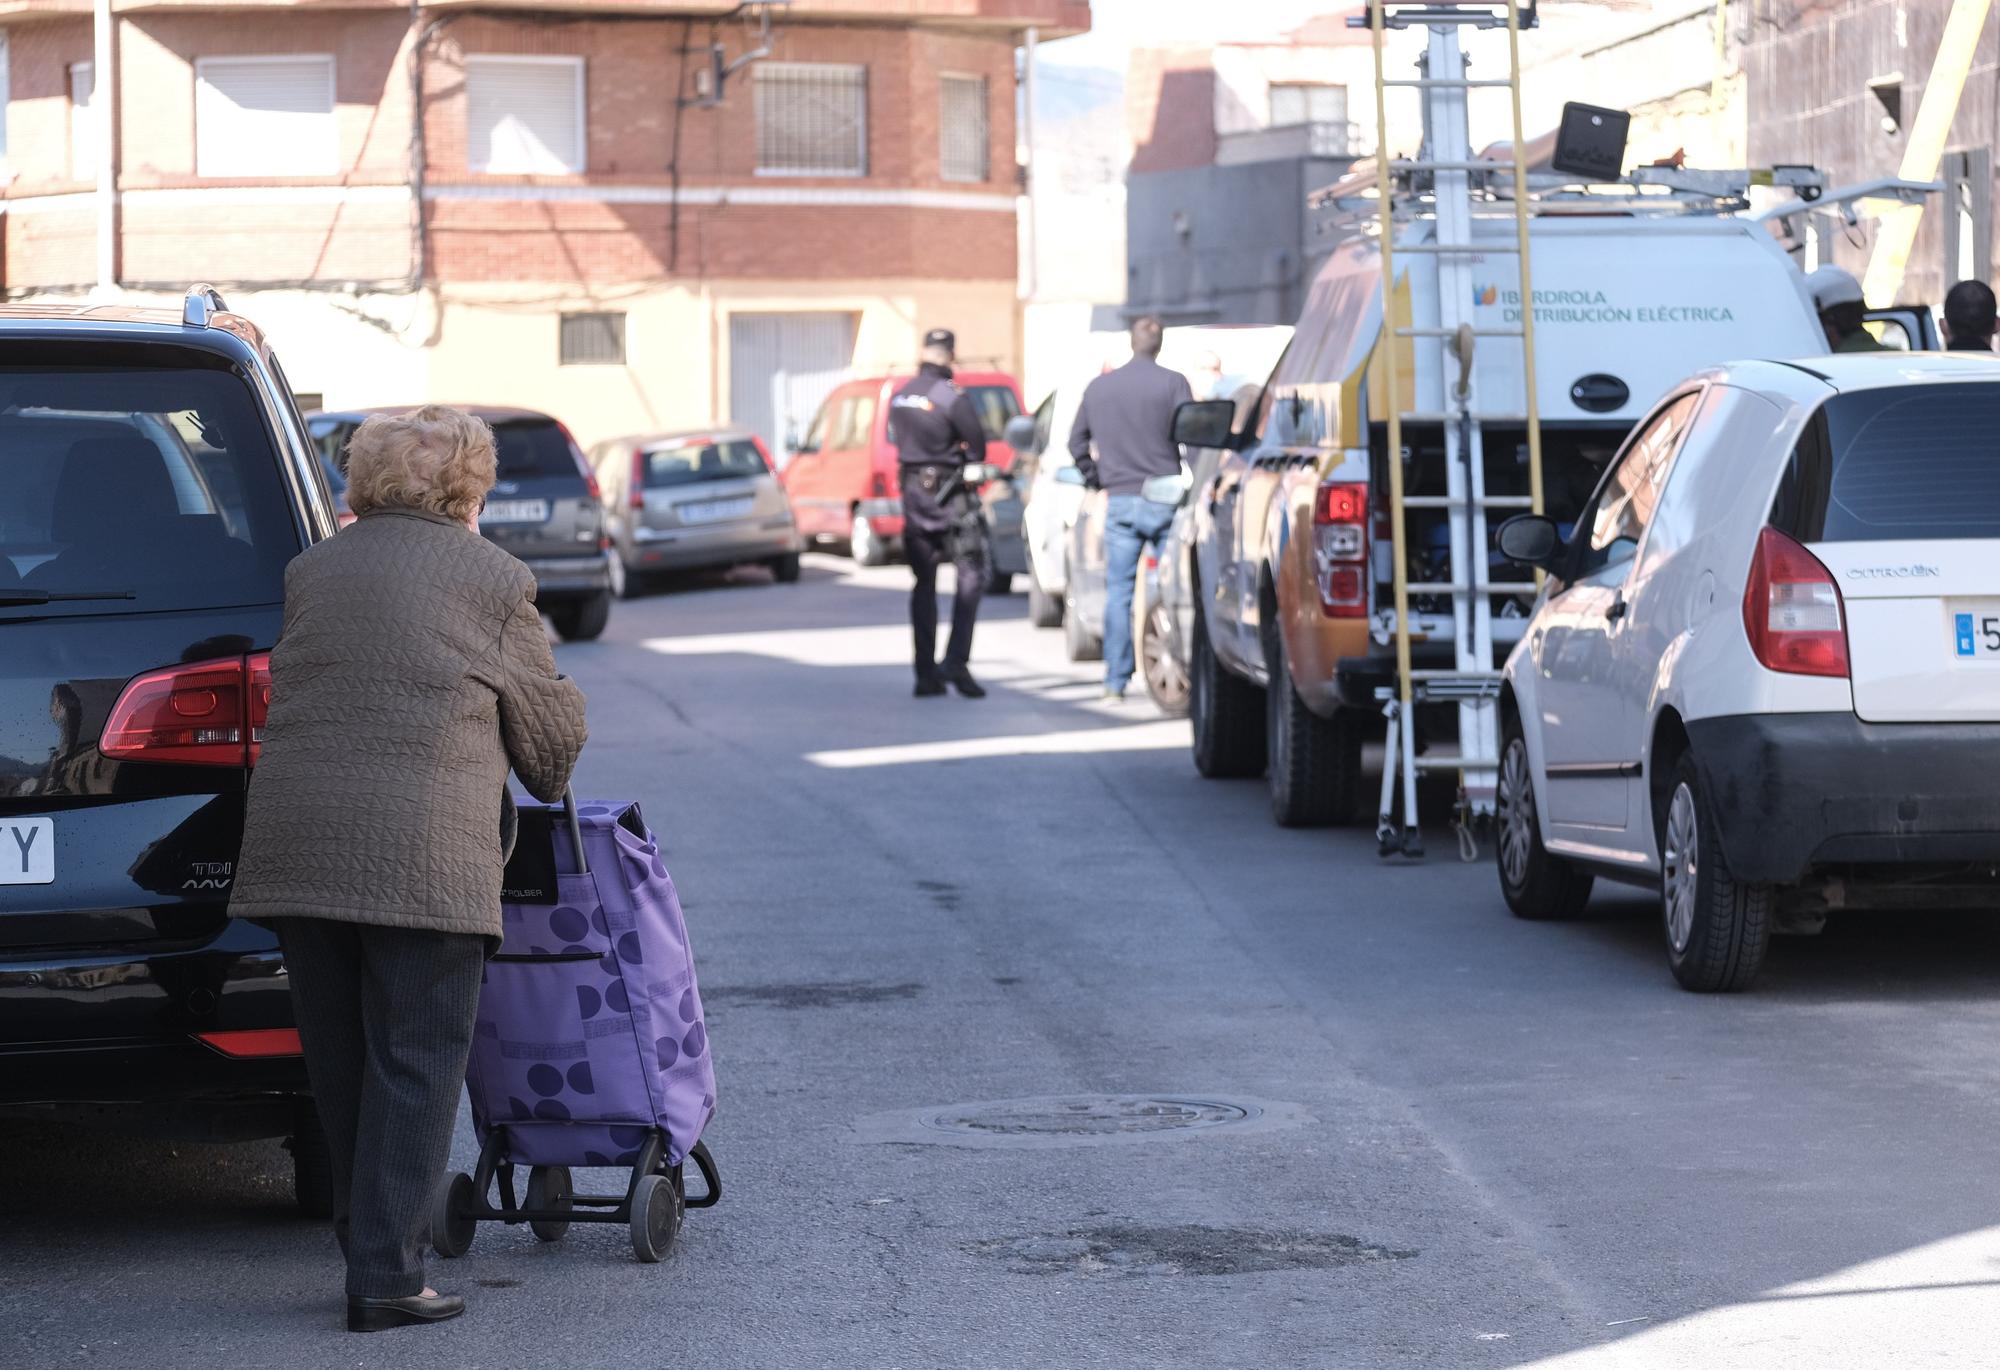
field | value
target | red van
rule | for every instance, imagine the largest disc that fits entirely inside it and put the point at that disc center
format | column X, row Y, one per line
column 842, row 473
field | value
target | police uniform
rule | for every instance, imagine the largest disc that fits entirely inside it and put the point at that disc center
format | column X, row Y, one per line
column 936, row 430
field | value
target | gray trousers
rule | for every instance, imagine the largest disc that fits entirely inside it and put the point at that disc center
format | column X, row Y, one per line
column 385, row 1016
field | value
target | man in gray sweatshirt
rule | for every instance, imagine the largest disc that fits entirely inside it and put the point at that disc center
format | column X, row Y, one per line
column 1129, row 415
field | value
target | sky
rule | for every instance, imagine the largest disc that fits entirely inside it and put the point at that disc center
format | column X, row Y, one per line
column 1117, row 26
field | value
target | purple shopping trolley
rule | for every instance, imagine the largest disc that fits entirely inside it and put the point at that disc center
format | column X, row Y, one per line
column 589, row 1048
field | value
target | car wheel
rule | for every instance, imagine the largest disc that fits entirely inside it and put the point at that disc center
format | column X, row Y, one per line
column 1165, row 675
column 1535, row 884
column 1077, row 639
column 863, row 545
column 785, row 569
column 1044, row 609
column 1314, row 762
column 312, row 1163
column 1717, row 926
column 581, row 620
column 1228, row 714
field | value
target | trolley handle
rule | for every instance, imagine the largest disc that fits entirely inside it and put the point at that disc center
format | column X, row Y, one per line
column 575, row 830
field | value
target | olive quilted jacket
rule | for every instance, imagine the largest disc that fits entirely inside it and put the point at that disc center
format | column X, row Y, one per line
column 411, row 672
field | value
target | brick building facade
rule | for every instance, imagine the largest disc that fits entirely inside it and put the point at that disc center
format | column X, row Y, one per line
column 580, row 219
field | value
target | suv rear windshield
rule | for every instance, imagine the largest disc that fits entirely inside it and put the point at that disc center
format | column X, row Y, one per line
column 996, row 404
column 137, row 488
column 533, row 447
column 730, row 459
column 1896, row 464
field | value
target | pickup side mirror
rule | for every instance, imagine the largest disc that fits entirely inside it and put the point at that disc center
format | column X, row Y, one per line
column 1530, row 540
column 1020, row 434
column 1206, row 423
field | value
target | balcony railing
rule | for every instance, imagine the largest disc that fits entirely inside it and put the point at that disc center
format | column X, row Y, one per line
column 1290, row 142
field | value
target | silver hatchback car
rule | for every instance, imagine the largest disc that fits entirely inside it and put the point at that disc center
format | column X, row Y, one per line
column 682, row 501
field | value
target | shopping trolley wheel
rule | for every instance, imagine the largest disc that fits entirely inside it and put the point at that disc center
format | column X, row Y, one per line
column 549, row 1187
column 452, row 1223
column 656, row 1217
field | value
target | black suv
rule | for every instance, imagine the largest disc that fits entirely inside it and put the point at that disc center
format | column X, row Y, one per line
column 546, row 509
column 155, row 479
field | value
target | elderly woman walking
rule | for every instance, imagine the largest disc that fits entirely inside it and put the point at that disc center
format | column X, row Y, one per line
column 411, row 673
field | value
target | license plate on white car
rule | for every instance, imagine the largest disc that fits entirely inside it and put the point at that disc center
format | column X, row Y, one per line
column 1975, row 629
column 515, row 511
column 27, row 851
column 714, row 511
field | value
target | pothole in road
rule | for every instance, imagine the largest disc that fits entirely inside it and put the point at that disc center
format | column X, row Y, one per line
column 810, row 995
column 1088, row 1116
column 1130, row 1249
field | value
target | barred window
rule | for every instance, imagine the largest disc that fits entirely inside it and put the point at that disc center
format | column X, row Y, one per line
column 592, row 340
column 812, row 119
column 962, row 140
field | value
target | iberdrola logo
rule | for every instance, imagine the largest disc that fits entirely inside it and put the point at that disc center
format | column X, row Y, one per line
column 1485, row 295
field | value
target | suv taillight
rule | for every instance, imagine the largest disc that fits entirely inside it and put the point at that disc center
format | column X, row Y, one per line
column 637, row 499
column 1340, row 548
column 1792, row 610
column 207, row 713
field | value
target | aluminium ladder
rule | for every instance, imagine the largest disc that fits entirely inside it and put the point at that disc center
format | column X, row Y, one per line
column 1446, row 161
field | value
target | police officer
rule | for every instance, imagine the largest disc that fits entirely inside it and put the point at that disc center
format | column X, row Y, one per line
column 937, row 430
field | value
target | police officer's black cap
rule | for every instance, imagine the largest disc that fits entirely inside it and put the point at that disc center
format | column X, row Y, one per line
column 942, row 337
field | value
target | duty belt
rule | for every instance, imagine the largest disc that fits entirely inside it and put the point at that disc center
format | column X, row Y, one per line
column 931, row 476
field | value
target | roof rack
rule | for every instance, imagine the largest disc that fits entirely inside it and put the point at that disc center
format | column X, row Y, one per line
column 203, row 303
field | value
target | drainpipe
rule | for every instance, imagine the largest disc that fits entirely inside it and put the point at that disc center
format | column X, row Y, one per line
column 1029, row 281
column 104, row 114
column 1924, row 153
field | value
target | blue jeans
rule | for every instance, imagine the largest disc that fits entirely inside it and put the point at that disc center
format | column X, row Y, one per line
column 1131, row 522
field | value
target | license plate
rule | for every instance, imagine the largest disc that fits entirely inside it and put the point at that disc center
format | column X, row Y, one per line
column 714, row 511
column 516, row 511
column 27, row 851
column 1975, row 629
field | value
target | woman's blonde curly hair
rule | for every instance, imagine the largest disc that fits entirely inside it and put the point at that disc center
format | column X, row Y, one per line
column 436, row 458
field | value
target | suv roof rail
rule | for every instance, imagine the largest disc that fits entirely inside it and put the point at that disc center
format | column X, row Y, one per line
column 203, row 303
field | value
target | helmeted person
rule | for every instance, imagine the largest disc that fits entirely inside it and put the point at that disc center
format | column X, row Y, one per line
column 1836, row 294
column 1969, row 317
column 936, row 429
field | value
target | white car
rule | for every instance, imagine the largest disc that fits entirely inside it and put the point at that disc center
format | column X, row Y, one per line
column 1764, row 673
column 1053, row 498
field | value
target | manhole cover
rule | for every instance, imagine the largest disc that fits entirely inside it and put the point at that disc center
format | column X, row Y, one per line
column 1076, row 1120
column 1088, row 1116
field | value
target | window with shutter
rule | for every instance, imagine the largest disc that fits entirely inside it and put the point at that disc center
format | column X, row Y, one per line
column 596, row 339
column 6, row 92
column 1308, row 104
column 82, row 127
column 812, row 119
column 962, row 140
column 524, row 115
column 265, row 116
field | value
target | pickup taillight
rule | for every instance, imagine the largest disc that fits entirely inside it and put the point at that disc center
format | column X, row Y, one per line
column 205, row 713
column 1340, row 548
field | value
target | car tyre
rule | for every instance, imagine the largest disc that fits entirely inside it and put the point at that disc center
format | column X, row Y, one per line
column 1228, row 714
column 582, row 620
column 1536, row 884
column 1044, row 609
column 1078, row 641
column 1166, row 677
column 312, row 1163
column 549, row 1187
column 1314, row 762
column 656, row 1217
column 1717, row 927
column 863, row 545
column 785, row 569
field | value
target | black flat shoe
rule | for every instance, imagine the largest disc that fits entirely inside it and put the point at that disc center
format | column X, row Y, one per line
column 379, row 1315
column 928, row 687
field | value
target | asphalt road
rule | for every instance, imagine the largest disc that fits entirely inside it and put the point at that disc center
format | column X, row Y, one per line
column 1451, row 1139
